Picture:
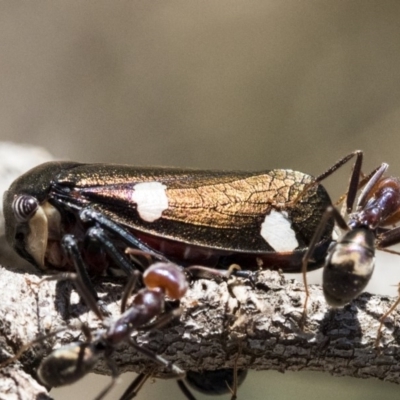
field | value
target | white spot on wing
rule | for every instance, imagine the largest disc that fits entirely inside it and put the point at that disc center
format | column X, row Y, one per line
column 277, row 231
column 151, row 200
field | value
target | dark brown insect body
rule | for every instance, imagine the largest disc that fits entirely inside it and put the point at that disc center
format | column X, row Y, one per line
column 350, row 260
column 70, row 363
column 189, row 216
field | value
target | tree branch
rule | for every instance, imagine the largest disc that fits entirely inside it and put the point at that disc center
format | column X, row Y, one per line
column 254, row 322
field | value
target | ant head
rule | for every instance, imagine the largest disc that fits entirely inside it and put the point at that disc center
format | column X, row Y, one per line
column 168, row 277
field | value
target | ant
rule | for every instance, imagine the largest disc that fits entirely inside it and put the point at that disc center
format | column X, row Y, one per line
column 72, row 362
column 350, row 260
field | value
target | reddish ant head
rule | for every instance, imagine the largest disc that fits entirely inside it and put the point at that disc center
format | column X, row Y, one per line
column 168, row 277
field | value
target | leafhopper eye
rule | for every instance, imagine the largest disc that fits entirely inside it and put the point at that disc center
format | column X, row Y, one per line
column 24, row 207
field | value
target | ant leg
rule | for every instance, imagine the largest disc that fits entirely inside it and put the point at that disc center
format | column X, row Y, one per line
column 388, row 238
column 90, row 215
column 129, row 289
column 139, row 381
column 86, row 331
column 27, row 346
column 375, row 177
column 175, row 370
column 135, row 254
column 384, row 316
column 185, row 390
column 202, row 272
column 235, row 382
column 134, row 388
column 114, row 376
column 160, row 322
column 354, row 177
column 329, row 212
column 364, row 180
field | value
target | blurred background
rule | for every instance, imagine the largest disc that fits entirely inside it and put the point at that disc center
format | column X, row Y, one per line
column 220, row 85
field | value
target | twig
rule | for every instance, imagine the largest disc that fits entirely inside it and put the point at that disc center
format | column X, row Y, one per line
column 261, row 317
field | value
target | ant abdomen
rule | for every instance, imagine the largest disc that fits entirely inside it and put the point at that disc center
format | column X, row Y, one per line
column 62, row 367
column 349, row 267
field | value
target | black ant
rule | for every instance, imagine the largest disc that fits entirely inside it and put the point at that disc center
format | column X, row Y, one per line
column 350, row 260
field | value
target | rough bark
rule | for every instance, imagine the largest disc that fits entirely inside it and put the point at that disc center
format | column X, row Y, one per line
column 256, row 323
